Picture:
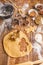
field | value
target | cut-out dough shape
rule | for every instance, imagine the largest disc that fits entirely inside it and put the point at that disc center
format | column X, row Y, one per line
column 12, row 47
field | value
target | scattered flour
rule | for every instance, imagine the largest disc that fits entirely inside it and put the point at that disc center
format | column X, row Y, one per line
column 6, row 22
column 37, row 48
column 38, row 38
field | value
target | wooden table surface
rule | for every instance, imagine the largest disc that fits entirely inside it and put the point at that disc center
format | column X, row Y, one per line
column 4, row 59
